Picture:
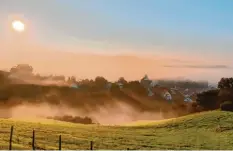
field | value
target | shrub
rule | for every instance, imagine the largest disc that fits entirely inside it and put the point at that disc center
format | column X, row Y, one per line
column 73, row 119
column 208, row 100
column 225, row 83
column 226, row 94
column 227, row 106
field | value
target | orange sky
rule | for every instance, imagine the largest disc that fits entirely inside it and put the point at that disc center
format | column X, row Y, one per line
column 78, row 59
column 49, row 60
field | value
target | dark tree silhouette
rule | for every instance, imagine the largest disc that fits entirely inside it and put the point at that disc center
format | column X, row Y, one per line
column 71, row 79
column 22, row 69
column 225, row 83
column 122, row 80
column 227, row 106
column 100, row 81
column 208, row 100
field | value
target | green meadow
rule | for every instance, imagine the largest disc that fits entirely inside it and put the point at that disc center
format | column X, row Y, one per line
column 207, row 130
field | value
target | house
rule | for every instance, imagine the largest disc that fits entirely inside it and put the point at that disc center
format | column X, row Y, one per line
column 75, row 86
column 167, row 96
column 145, row 81
column 186, row 91
column 187, row 99
column 120, row 85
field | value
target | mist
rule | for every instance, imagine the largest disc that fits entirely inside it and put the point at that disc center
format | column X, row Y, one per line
column 115, row 114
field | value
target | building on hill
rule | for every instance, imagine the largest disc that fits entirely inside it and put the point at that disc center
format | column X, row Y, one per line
column 145, row 82
column 75, row 86
column 187, row 99
column 167, row 96
column 120, row 85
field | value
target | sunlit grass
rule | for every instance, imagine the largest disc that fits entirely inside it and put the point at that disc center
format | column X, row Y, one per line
column 209, row 130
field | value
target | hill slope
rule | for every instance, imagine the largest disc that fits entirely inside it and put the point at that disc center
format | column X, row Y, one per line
column 209, row 130
column 87, row 102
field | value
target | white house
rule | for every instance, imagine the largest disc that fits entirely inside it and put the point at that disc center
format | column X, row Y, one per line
column 120, row 85
column 145, row 81
column 167, row 96
column 187, row 99
column 75, row 86
column 186, row 90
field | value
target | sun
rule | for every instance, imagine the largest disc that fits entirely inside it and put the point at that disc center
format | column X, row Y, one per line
column 18, row 26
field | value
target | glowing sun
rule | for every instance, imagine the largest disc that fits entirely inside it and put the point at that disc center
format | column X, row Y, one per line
column 18, row 26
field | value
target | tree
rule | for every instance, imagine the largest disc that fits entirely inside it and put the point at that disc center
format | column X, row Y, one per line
column 226, row 93
column 208, row 100
column 100, row 81
column 3, row 78
column 122, row 80
column 71, row 79
column 225, row 83
column 22, row 69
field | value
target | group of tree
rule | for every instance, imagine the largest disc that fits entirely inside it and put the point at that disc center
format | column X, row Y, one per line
column 184, row 83
column 209, row 100
column 73, row 119
column 214, row 99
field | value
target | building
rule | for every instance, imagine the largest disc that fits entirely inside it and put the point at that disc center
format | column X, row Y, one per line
column 120, row 85
column 75, row 86
column 167, row 96
column 187, row 99
column 146, row 82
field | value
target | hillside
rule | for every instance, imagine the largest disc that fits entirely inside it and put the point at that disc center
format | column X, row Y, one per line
column 128, row 101
column 58, row 96
column 207, row 130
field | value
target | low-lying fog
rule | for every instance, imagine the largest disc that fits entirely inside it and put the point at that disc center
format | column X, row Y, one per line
column 120, row 113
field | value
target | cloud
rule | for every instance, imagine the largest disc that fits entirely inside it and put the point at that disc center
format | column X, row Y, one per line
column 198, row 66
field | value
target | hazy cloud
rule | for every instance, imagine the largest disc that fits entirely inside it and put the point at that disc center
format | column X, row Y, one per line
column 198, row 66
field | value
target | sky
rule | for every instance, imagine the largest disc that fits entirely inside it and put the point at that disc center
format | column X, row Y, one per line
column 191, row 37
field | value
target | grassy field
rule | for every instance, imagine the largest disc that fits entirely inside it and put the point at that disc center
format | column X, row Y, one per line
column 209, row 130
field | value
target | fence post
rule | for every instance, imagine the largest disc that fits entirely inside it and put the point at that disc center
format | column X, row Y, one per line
column 11, row 135
column 91, row 145
column 59, row 142
column 33, row 140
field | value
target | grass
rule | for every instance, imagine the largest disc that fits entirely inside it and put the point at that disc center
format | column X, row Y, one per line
column 209, row 130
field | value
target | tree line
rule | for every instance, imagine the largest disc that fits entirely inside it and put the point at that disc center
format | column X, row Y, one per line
column 221, row 98
column 25, row 71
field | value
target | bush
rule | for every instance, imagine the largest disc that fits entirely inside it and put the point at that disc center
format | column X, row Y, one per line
column 227, row 106
column 225, row 83
column 226, row 94
column 208, row 100
column 73, row 119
